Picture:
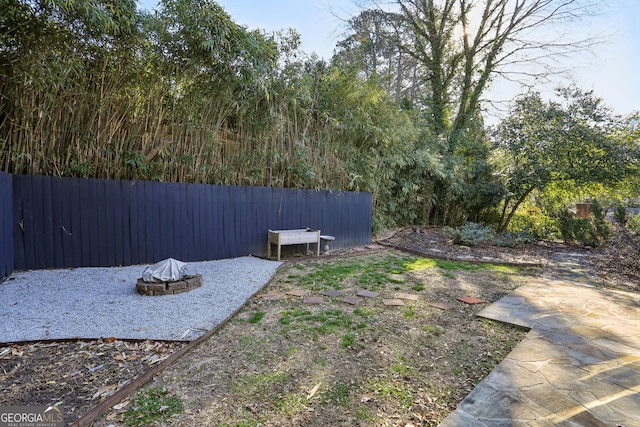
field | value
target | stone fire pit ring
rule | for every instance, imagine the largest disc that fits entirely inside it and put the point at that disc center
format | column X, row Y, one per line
column 169, row 288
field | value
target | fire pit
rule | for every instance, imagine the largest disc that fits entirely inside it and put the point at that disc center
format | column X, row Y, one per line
column 169, row 288
column 168, row 277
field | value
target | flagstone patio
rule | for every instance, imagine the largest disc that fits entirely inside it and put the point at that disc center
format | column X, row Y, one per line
column 578, row 366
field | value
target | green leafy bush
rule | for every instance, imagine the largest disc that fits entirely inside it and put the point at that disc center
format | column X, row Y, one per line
column 511, row 240
column 566, row 225
column 588, row 231
column 634, row 223
column 620, row 216
column 538, row 227
column 470, row 234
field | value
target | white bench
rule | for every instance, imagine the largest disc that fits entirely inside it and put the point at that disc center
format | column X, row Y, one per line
column 293, row 237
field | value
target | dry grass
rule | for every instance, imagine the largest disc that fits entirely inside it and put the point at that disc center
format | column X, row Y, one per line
column 286, row 363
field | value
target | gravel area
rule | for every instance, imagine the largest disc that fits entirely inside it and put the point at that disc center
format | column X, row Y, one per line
column 103, row 302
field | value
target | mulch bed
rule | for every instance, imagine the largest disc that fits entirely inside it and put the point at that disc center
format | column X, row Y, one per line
column 76, row 374
column 432, row 242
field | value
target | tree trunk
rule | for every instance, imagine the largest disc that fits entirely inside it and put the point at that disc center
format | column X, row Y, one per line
column 503, row 227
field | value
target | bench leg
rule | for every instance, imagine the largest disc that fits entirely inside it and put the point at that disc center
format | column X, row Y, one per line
column 279, row 251
column 269, row 250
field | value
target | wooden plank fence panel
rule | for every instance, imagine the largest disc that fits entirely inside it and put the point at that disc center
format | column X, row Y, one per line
column 206, row 221
column 109, row 225
column 7, row 254
column 26, row 224
column 57, row 233
column 119, row 213
column 258, row 220
column 74, row 222
column 134, row 243
column 127, row 235
column 74, row 189
column 225, row 221
column 46, row 222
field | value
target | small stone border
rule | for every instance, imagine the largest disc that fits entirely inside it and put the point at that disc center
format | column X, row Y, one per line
column 169, row 288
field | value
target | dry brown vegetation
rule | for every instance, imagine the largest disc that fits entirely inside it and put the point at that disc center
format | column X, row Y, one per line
column 288, row 363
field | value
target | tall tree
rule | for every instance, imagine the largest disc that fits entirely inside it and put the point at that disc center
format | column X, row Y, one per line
column 374, row 46
column 464, row 44
column 577, row 140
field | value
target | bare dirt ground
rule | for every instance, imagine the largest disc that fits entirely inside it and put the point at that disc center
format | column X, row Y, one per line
column 287, row 363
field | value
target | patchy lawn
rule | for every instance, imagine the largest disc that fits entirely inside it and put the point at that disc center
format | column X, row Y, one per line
column 285, row 362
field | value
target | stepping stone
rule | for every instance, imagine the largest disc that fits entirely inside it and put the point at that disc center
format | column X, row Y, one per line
column 332, row 293
column 374, row 247
column 393, row 302
column 353, row 300
column 410, row 297
column 313, row 300
column 442, row 305
column 471, row 300
column 368, row 294
column 297, row 292
column 359, row 249
column 271, row 297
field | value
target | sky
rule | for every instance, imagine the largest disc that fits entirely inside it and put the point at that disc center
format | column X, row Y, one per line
column 612, row 71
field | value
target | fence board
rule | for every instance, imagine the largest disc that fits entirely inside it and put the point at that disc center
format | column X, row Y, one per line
column 134, row 198
column 16, row 222
column 76, row 222
column 127, row 235
column 108, row 227
column 58, row 234
column 119, row 213
column 230, row 231
column 7, row 254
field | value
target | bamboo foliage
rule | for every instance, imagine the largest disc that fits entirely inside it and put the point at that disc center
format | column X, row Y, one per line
column 184, row 97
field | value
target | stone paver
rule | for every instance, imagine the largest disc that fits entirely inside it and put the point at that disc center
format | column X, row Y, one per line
column 393, row 302
column 442, row 305
column 471, row 300
column 578, row 366
column 368, row 294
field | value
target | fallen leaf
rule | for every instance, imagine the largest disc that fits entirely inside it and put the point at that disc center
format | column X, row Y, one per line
column 105, row 391
column 121, row 405
column 313, row 391
column 366, row 397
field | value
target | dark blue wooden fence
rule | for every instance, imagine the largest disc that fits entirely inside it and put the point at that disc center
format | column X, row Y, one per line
column 6, row 225
column 75, row 222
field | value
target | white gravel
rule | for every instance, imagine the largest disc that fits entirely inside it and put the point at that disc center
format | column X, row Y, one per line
column 103, row 302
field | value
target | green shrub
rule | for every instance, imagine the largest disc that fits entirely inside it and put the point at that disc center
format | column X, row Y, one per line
column 620, row 216
column 538, row 227
column 470, row 234
column 602, row 226
column 565, row 225
column 511, row 240
column 587, row 231
column 634, row 223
